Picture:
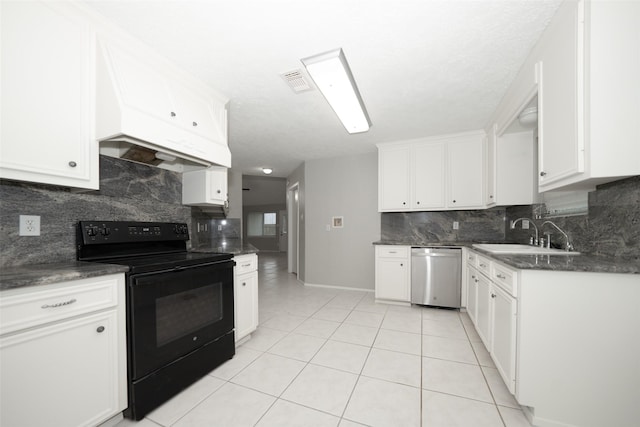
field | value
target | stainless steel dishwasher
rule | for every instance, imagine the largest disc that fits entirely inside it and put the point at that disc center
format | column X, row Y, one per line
column 435, row 276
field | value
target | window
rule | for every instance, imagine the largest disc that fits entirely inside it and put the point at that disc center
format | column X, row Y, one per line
column 261, row 224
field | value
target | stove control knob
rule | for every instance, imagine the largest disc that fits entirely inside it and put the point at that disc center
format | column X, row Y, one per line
column 184, row 229
column 92, row 231
column 176, row 229
column 105, row 231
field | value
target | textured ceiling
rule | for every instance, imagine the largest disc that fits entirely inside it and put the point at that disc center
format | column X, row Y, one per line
column 423, row 67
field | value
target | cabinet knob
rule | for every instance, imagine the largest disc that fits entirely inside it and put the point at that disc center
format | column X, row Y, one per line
column 454, row 201
column 543, row 173
column 244, row 283
column 195, row 124
column 418, row 203
column 173, row 114
column 219, row 191
column 491, row 197
column 73, row 164
column 401, row 265
column 493, row 295
column 404, row 203
column 100, row 329
column 500, row 276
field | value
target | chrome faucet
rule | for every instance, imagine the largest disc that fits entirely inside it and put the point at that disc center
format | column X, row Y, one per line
column 568, row 245
column 515, row 221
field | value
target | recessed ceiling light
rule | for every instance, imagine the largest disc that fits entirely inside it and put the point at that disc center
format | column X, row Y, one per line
column 267, row 171
column 332, row 75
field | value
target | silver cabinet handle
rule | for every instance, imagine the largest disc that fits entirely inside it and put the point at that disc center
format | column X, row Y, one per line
column 73, row 164
column 392, row 252
column 59, row 304
column 500, row 276
column 100, row 329
column 246, row 265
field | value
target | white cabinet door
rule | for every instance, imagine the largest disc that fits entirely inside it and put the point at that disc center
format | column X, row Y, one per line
column 65, row 374
column 483, row 312
column 199, row 113
column 472, row 293
column 428, row 176
column 503, row 333
column 466, row 169
column 392, row 279
column 561, row 143
column 246, row 304
column 393, row 178
column 47, row 133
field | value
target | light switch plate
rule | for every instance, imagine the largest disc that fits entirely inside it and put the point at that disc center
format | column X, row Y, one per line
column 525, row 224
column 29, row 225
column 456, row 225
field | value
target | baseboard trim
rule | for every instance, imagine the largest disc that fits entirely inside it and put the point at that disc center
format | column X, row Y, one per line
column 344, row 288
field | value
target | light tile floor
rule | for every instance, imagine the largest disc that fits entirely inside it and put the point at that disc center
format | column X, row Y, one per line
column 328, row 357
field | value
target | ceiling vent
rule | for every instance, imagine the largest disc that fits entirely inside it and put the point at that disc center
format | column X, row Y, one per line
column 297, row 81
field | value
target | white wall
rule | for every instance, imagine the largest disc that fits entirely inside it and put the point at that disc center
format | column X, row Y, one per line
column 263, row 190
column 347, row 187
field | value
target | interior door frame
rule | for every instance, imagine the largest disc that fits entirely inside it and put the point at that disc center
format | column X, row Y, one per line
column 293, row 211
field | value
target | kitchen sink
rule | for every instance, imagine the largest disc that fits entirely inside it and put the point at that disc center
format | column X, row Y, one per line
column 508, row 248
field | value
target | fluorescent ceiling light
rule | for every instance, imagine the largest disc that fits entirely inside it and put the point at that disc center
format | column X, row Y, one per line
column 267, row 171
column 331, row 74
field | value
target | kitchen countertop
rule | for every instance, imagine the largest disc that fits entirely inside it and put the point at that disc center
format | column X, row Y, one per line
column 46, row 274
column 583, row 262
column 230, row 246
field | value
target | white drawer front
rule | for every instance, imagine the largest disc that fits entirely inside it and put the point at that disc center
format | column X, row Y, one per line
column 472, row 258
column 392, row 251
column 246, row 263
column 484, row 265
column 43, row 304
column 505, row 278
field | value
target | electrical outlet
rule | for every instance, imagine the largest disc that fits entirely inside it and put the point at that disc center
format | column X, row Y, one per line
column 456, row 225
column 29, row 225
column 219, row 228
column 525, row 224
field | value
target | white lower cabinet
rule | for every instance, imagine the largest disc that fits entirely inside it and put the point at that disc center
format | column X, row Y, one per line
column 68, row 366
column 492, row 306
column 393, row 273
column 245, row 293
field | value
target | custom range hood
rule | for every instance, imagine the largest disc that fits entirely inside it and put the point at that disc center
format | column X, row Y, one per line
column 151, row 112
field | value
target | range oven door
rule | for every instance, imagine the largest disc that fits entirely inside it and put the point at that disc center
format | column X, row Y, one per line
column 173, row 312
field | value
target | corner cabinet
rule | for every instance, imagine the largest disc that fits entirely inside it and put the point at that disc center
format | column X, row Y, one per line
column 439, row 173
column 245, row 293
column 47, row 123
column 63, row 353
column 393, row 273
column 206, row 187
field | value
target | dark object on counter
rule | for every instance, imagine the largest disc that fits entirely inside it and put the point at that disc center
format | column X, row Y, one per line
column 179, row 305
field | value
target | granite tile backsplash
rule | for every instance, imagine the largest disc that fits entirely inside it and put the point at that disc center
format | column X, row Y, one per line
column 437, row 226
column 611, row 227
column 128, row 191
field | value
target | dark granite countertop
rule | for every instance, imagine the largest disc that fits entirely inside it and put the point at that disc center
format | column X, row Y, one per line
column 46, row 274
column 583, row 262
column 231, row 246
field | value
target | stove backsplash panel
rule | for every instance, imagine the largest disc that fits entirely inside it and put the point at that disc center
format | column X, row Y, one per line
column 128, row 191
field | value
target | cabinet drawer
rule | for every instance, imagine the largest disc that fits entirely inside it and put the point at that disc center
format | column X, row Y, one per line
column 34, row 306
column 392, row 251
column 246, row 263
column 472, row 258
column 484, row 265
column 505, row 278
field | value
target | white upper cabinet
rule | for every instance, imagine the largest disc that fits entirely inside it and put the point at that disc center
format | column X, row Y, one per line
column 205, row 187
column 48, row 101
column 437, row 173
column 144, row 100
column 585, row 70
